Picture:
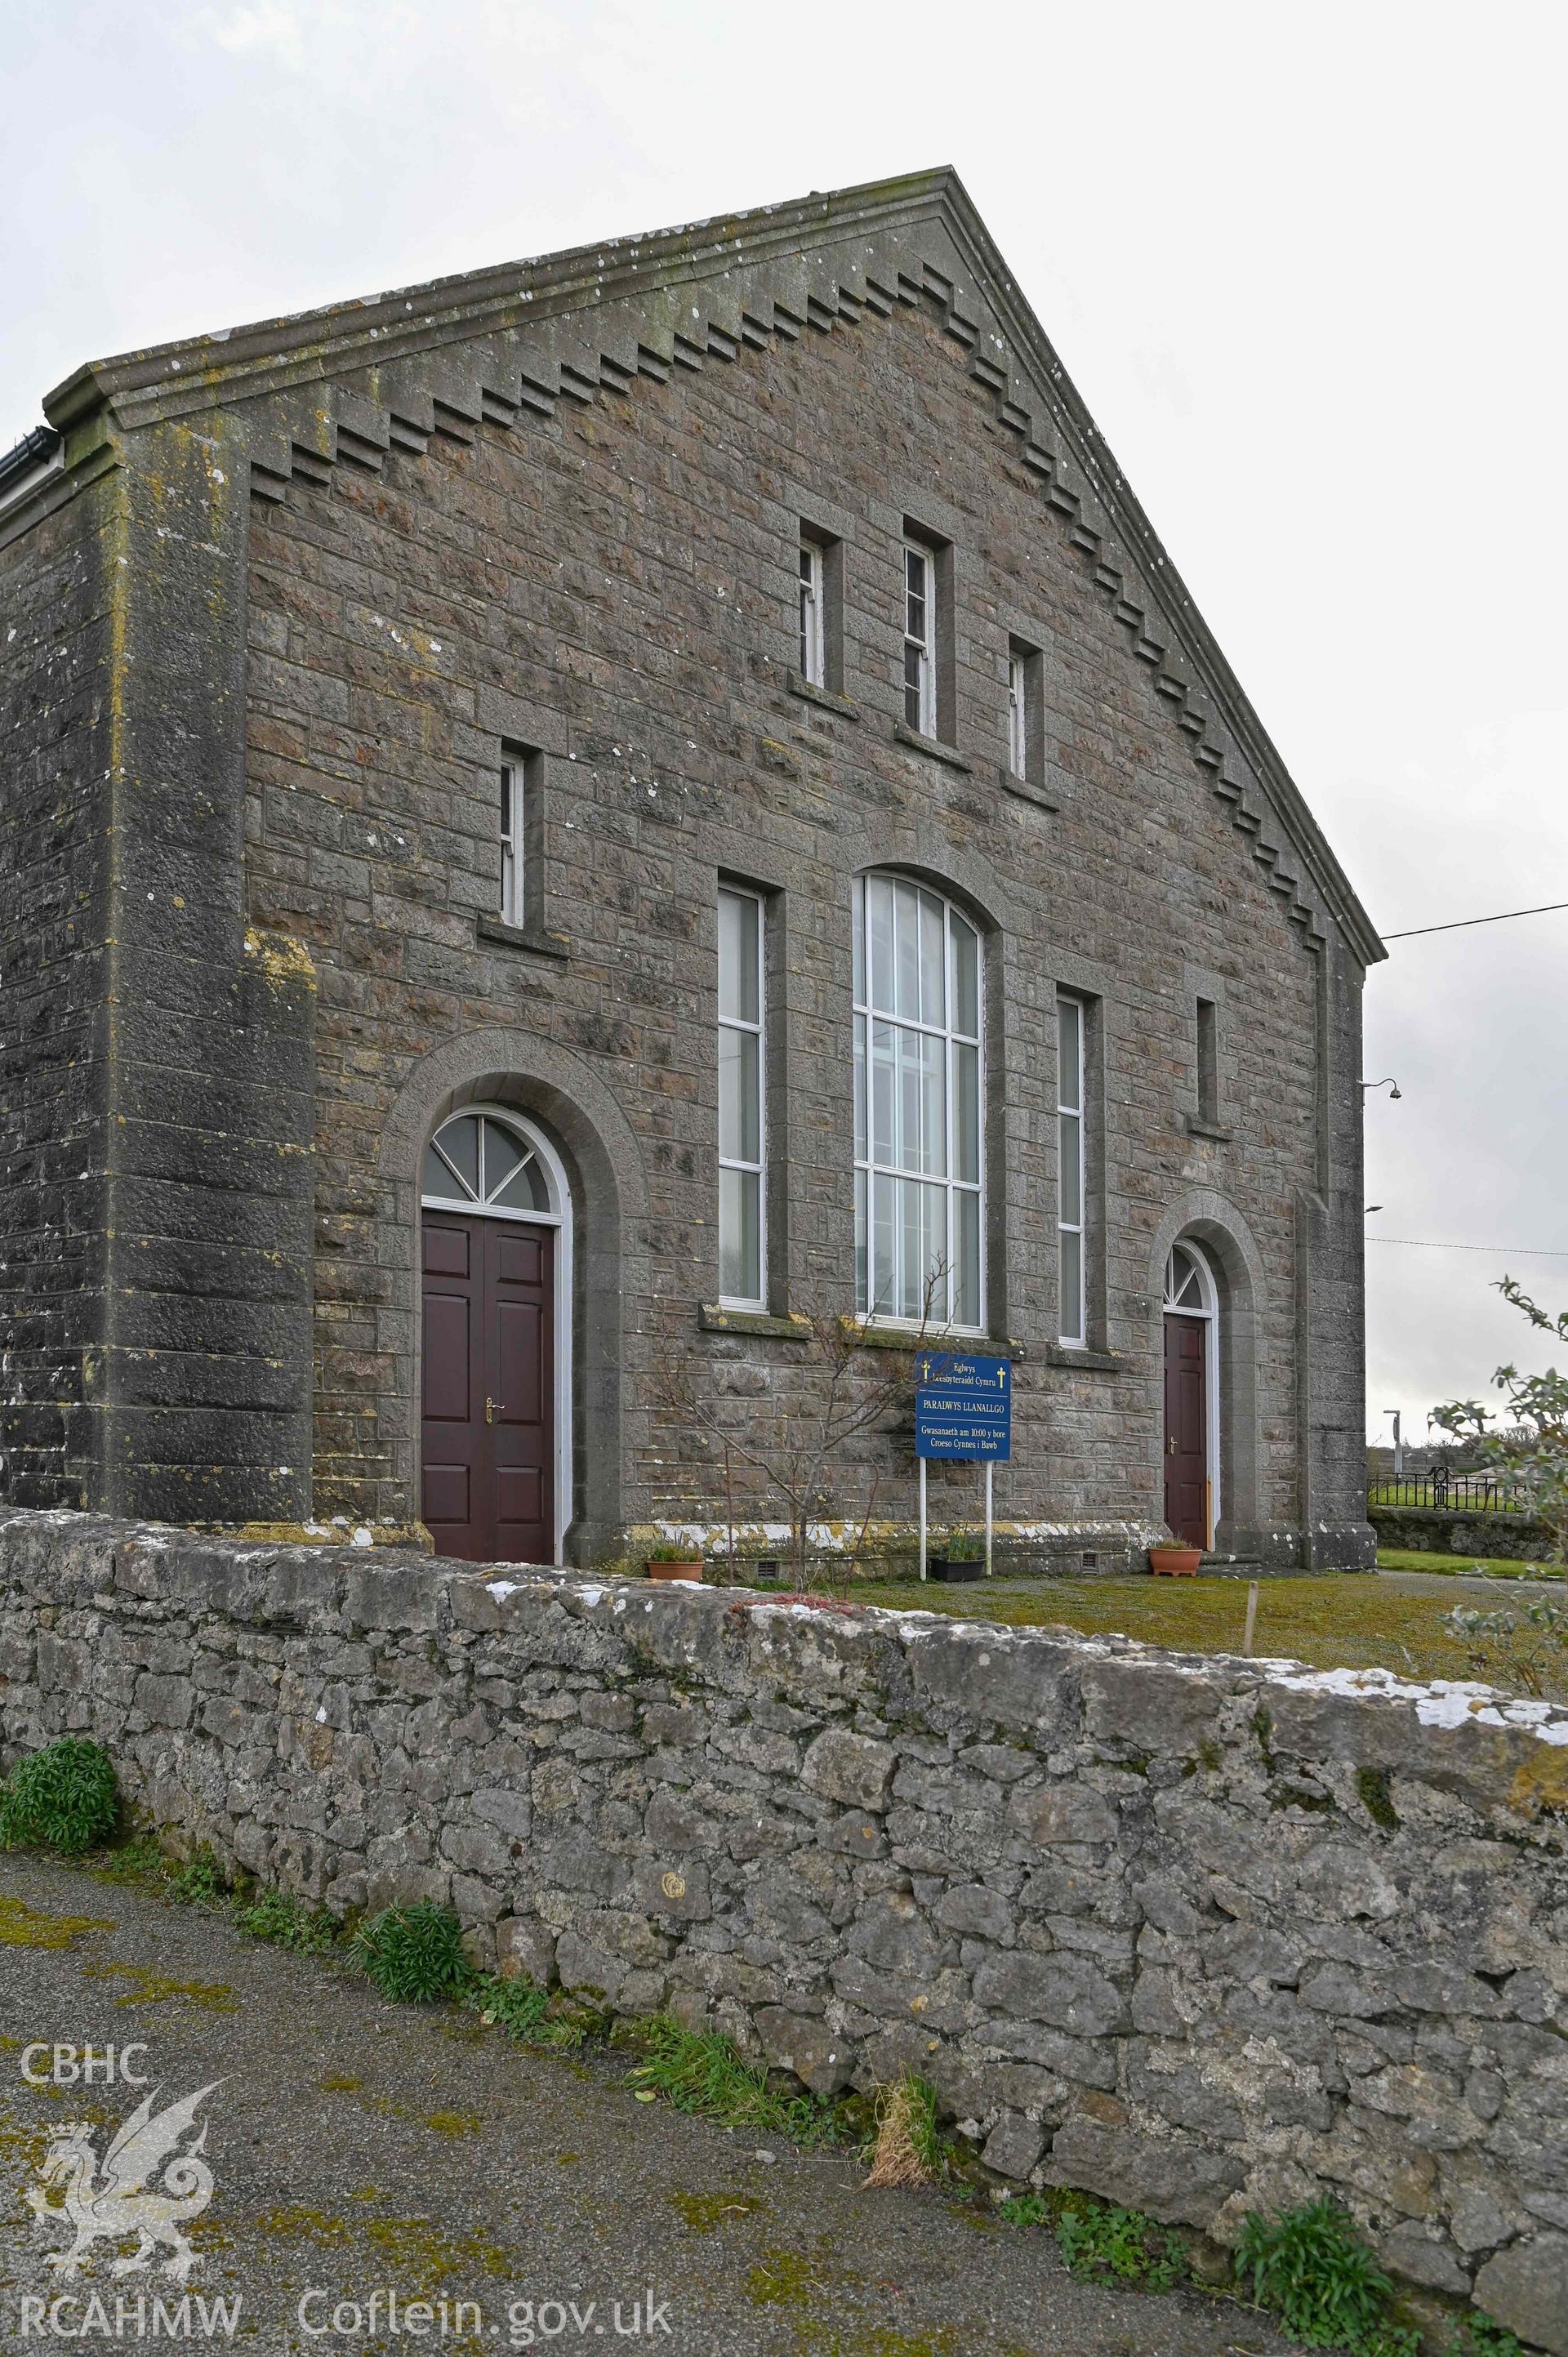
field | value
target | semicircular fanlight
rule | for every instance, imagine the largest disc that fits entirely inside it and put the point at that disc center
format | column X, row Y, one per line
column 485, row 1165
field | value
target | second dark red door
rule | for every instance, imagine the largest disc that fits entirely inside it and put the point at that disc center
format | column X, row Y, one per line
column 1186, row 1429
column 489, row 1433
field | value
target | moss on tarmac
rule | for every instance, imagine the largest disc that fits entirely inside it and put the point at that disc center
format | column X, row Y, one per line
column 338, row 2170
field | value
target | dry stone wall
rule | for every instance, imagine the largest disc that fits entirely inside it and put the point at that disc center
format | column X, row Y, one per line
column 1202, row 1935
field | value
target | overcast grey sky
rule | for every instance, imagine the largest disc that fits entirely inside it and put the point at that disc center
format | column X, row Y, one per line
column 1305, row 264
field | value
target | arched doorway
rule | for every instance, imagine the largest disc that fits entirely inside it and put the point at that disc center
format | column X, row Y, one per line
column 1191, row 1396
column 495, row 1254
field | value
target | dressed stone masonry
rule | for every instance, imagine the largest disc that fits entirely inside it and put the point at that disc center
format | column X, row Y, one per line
column 551, row 513
column 1200, row 1935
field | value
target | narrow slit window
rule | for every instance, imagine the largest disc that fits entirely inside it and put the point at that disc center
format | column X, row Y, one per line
column 513, row 833
column 1208, row 1061
column 1026, row 712
column 1017, row 714
column 1070, row 1171
column 742, row 1263
column 813, row 614
column 919, row 640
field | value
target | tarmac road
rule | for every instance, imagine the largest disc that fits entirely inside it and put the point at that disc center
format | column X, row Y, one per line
column 359, row 2147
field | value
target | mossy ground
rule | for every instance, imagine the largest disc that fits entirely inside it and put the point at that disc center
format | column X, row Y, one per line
column 1328, row 1622
column 567, row 2186
column 22, row 1926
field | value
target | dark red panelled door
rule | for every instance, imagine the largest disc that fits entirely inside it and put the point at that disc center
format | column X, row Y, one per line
column 489, row 1490
column 1186, row 1429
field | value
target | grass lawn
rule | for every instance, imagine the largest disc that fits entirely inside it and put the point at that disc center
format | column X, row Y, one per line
column 1501, row 1566
column 1330, row 1622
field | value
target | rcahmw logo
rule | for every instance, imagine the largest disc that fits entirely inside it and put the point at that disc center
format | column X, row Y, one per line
column 124, row 2319
column 152, row 2184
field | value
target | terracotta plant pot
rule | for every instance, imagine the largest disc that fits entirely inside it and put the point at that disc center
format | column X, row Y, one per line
column 674, row 1571
column 1180, row 1562
column 951, row 1566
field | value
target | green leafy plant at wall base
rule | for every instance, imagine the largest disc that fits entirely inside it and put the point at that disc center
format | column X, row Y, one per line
column 200, row 1882
column 1481, row 2335
column 274, row 1916
column 1313, row 2269
column 63, row 1798
column 1122, row 2244
column 414, row 1954
column 1024, row 2209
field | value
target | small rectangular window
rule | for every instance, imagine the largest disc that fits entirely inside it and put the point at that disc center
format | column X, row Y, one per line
column 813, row 614
column 514, row 838
column 919, row 640
column 742, row 1274
column 1208, row 1062
column 1017, row 715
column 1070, row 1173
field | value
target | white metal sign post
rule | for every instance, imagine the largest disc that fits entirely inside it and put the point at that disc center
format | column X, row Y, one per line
column 922, row 1518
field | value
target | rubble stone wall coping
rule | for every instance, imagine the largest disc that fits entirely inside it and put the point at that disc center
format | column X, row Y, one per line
column 1201, row 1934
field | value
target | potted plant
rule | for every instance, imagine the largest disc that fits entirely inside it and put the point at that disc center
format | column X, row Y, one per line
column 1178, row 1561
column 673, row 1559
column 963, row 1558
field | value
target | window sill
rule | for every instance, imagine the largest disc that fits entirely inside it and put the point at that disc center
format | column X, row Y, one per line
column 931, row 745
column 519, row 937
column 714, row 1318
column 828, row 698
column 900, row 1338
column 1025, row 790
column 1197, row 1128
column 1085, row 1362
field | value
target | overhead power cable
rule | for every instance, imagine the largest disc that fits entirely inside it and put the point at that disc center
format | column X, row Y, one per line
column 1459, row 924
column 1435, row 1243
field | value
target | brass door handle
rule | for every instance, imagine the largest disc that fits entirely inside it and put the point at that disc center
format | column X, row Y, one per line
column 490, row 1406
column 1170, row 1446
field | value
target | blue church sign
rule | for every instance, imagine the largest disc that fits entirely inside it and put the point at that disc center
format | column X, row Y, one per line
column 963, row 1406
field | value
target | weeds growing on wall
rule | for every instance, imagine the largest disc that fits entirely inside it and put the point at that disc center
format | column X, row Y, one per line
column 1481, row 2335
column 272, row 1916
column 1111, row 2244
column 140, row 1860
column 1025, row 2210
column 1312, row 2268
column 200, row 1882
column 415, row 1954
column 1102, row 2242
column 203, row 1881
column 702, row 2071
column 534, row 2016
column 63, row 1798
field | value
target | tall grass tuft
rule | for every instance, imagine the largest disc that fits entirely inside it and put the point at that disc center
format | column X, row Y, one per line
column 908, row 2149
